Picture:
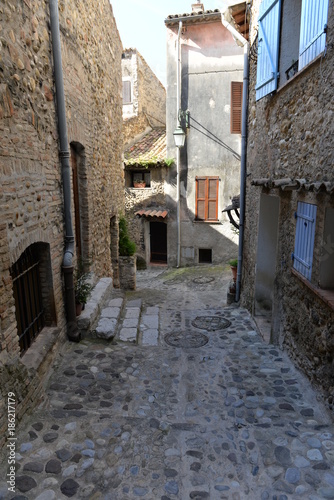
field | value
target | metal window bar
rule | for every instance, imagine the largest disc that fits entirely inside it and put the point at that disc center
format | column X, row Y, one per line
column 28, row 298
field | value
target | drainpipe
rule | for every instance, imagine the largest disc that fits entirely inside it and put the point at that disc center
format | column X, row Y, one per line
column 178, row 157
column 243, row 165
column 72, row 329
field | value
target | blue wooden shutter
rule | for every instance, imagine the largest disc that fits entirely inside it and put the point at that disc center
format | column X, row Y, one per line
column 304, row 240
column 312, row 30
column 268, row 47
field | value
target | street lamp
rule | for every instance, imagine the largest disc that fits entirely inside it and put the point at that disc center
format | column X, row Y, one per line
column 179, row 137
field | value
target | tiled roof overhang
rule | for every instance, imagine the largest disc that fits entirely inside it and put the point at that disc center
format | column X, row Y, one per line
column 150, row 212
column 151, row 149
column 288, row 184
column 194, row 17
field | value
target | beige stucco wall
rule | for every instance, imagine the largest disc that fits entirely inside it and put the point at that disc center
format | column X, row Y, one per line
column 210, row 61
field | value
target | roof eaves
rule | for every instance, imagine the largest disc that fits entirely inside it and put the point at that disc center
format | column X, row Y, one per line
column 208, row 15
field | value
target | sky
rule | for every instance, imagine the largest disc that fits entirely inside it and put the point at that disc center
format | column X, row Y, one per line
column 141, row 26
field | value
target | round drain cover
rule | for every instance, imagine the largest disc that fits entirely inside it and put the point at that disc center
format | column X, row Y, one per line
column 173, row 281
column 202, row 280
column 211, row 323
column 186, row 339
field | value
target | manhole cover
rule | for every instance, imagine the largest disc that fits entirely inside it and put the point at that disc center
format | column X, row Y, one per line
column 186, row 339
column 211, row 323
column 173, row 281
column 202, row 280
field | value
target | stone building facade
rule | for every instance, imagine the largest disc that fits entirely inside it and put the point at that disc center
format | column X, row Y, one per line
column 144, row 127
column 31, row 194
column 201, row 97
column 144, row 97
column 288, row 260
column 145, row 204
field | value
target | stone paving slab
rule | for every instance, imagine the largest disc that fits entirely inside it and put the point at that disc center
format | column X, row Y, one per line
column 232, row 419
column 150, row 336
column 128, row 334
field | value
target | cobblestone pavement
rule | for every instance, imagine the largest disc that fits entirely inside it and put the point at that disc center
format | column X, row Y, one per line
column 204, row 410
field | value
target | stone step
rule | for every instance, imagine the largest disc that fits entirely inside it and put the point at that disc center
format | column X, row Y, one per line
column 129, row 325
column 109, row 318
column 149, row 326
column 100, row 296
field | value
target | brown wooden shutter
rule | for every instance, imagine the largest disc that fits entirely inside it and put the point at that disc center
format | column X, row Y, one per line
column 207, row 198
column 200, row 198
column 236, row 107
column 212, row 213
column 126, row 92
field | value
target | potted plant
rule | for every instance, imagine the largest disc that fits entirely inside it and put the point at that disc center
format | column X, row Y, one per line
column 139, row 184
column 82, row 288
column 234, row 267
column 127, row 259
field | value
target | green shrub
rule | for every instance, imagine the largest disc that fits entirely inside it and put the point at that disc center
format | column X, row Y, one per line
column 127, row 247
column 233, row 262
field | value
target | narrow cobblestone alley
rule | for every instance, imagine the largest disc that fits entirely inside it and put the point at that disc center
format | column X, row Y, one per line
column 199, row 408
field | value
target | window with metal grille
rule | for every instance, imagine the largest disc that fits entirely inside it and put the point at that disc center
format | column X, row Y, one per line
column 236, row 107
column 304, row 239
column 207, row 198
column 126, row 92
column 301, row 39
column 28, row 297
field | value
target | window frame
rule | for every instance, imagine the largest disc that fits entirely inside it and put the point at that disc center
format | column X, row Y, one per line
column 313, row 20
column 207, row 199
column 236, row 107
column 126, row 92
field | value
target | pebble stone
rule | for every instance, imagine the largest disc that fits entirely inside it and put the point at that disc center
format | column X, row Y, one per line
column 134, row 417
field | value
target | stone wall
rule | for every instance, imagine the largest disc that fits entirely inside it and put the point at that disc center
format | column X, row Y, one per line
column 290, row 135
column 139, row 199
column 148, row 109
column 92, row 53
column 31, row 198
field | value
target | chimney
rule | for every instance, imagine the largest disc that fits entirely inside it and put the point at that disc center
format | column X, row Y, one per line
column 197, row 7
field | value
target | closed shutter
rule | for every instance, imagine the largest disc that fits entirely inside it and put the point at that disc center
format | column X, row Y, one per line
column 236, row 107
column 207, row 198
column 200, row 198
column 312, row 30
column 212, row 213
column 126, row 92
column 304, row 239
column 268, row 47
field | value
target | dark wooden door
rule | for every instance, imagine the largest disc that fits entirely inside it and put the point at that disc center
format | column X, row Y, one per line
column 158, row 240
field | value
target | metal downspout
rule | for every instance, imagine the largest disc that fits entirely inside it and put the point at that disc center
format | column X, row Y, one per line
column 72, row 329
column 243, row 165
column 178, row 157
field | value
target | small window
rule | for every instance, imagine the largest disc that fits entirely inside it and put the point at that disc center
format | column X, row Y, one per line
column 127, row 92
column 304, row 239
column 204, row 255
column 207, row 198
column 236, row 107
column 284, row 51
column 141, row 179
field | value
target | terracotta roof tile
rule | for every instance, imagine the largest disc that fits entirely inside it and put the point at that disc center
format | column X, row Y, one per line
column 193, row 14
column 151, row 147
column 152, row 212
